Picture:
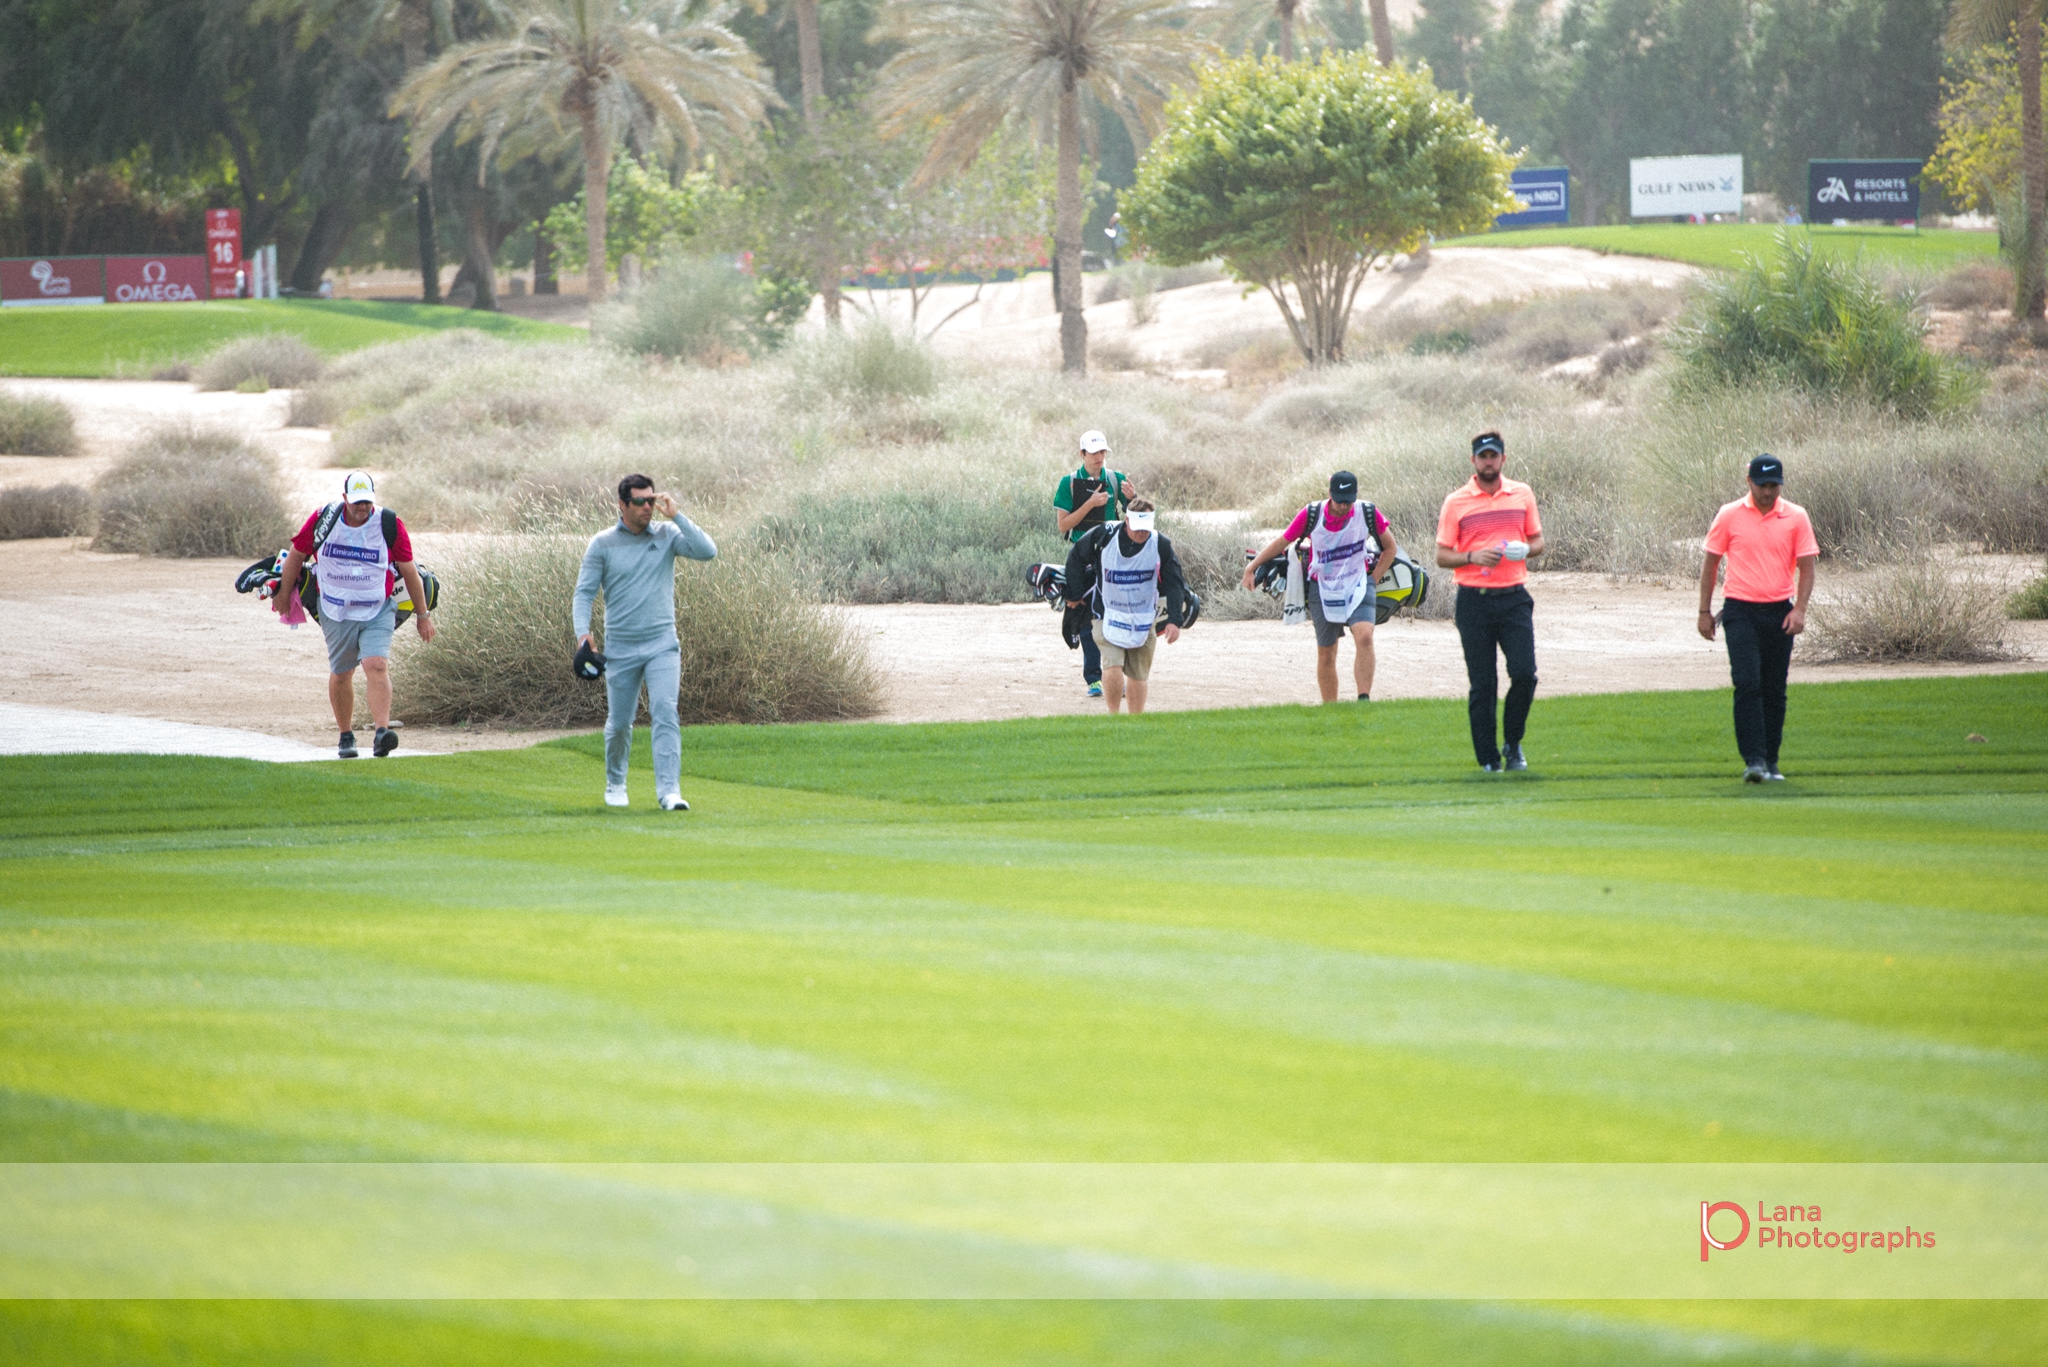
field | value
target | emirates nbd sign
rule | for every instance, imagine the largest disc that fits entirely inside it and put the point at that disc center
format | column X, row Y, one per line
column 1661, row 187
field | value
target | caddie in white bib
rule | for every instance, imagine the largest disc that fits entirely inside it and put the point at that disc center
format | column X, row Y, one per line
column 355, row 566
column 1129, row 591
column 1343, row 561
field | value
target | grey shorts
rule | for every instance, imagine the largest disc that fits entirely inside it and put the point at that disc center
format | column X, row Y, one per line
column 1134, row 661
column 1329, row 633
column 349, row 642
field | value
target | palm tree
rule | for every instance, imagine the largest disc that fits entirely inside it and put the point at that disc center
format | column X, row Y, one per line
column 1382, row 32
column 608, row 67
column 1988, row 21
column 1248, row 25
column 970, row 66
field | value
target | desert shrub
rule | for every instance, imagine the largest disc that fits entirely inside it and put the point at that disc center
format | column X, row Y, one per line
column 33, row 425
column 1531, row 333
column 1981, row 284
column 1917, row 610
column 1116, row 354
column 914, row 543
column 186, row 492
column 1343, row 396
column 269, row 360
column 312, row 408
column 50, row 510
column 2030, row 604
column 1828, row 326
column 755, row 648
column 1131, row 278
column 693, row 309
column 871, row 363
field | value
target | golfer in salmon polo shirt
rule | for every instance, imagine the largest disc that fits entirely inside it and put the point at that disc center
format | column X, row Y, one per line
column 1768, row 543
column 1487, row 532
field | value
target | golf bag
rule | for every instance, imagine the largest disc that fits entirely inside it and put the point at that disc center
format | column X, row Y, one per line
column 1407, row 585
column 1049, row 582
column 263, row 577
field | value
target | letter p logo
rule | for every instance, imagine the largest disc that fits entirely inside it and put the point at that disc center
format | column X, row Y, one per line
column 1707, row 1239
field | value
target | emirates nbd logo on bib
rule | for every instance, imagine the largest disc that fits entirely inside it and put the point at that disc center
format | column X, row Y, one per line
column 1129, row 576
column 361, row 554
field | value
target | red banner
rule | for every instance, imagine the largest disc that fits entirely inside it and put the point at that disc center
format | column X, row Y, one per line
column 51, row 280
column 224, row 251
column 156, row 279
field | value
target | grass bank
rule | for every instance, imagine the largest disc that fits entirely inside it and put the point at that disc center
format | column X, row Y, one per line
column 132, row 340
column 956, row 943
column 1723, row 245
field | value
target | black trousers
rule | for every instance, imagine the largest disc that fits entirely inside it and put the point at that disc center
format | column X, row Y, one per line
column 1759, row 658
column 1503, row 620
column 1091, row 659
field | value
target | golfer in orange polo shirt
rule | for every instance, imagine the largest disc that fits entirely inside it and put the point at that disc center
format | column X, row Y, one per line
column 1767, row 540
column 1487, row 532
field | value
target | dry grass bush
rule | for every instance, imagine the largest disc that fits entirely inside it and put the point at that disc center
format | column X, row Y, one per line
column 916, row 544
column 32, row 425
column 312, row 408
column 1983, row 284
column 269, row 360
column 755, row 648
column 1916, row 610
column 48, row 510
column 1133, row 278
column 1531, row 333
column 870, row 364
column 923, row 496
column 191, row 492
column 693, row 309
column 1212, row 559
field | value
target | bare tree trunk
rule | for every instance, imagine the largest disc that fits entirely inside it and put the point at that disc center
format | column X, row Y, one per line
column 2033, row 273
column 810, row 58
column 1382, row 33
column 597, row 158
column 430, row 245
column 328, row 234
column 415, row 27
column 483, row 268
column 1286, row 12
column 1066, row 237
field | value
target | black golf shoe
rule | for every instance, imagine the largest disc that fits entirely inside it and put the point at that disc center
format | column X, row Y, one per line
column 347, row 748
column 386, row 742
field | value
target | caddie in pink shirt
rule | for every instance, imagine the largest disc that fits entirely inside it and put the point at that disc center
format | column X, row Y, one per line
column 1768, row 543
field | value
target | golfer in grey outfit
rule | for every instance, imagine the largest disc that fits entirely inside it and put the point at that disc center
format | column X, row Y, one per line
column 633, row 565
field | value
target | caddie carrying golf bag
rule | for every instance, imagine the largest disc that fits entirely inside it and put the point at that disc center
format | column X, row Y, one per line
column 264, row 577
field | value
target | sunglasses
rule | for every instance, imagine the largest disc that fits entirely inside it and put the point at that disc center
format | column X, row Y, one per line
column 641, row 502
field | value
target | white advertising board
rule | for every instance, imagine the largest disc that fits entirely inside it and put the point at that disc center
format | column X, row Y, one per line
column 1662, row 186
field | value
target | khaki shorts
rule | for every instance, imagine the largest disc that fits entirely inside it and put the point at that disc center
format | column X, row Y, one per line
column 1134, row 661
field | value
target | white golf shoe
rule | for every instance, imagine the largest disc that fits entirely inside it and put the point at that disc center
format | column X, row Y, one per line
column 673, row 802
column 615, row 795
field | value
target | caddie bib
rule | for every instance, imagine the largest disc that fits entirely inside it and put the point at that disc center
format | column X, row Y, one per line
column 1130, row 590
column 1343, row 568
column 355, row 570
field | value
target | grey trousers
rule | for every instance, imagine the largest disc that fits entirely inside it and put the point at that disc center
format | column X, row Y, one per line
column 660, row 667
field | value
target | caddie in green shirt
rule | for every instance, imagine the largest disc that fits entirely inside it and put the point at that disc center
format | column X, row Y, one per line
column 1103, row 501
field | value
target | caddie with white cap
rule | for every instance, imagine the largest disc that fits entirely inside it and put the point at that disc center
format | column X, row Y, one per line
column 359, row 557
column 1087, row 499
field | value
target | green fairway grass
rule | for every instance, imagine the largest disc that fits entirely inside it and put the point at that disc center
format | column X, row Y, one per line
column 133, row 339
column 1272, row 935
column 1723, row 245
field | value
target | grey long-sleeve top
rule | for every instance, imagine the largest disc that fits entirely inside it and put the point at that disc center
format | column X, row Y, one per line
column 637, row 577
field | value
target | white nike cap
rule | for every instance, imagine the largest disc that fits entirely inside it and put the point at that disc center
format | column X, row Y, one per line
column 1139, row 522
column 358, row 487
column 1094, row 441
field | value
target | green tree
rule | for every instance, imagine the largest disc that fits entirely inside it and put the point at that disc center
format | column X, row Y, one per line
column 646, row 215
column 1977, row 161
column 1250, row 20
column 1520, row 78
column 1300, row 176
column 1447, row 34
column 655, row 69
column 1974, row 23
column 1811, row 66
column 968, row 67
column 1651, row 78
